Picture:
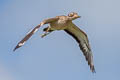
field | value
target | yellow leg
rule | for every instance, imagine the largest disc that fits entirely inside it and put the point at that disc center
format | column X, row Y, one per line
column 46, row 32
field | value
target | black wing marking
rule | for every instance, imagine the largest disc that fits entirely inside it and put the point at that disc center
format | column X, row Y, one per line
column 21, row 43
column 83, row 42
column 46, row 21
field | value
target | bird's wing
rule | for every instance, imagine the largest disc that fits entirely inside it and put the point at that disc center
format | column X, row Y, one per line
column 83, row 42
column 30, row 33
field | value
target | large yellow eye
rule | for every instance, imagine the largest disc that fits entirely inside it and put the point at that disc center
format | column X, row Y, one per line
column 71, row 14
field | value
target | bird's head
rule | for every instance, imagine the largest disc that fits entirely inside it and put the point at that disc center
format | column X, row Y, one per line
column 73, row 15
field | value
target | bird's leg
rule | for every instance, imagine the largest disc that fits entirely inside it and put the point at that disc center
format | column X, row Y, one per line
column 45, row 34
column 47, row 31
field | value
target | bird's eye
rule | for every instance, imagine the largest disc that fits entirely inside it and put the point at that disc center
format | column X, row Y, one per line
column 71, row 14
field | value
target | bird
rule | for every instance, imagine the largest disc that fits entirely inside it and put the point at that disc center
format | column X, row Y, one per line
column 64, row 22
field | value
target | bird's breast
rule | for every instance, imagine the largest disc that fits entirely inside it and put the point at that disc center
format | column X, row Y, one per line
column 59, row 25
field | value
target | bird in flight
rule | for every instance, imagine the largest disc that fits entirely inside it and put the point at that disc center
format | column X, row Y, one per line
column 65, row 23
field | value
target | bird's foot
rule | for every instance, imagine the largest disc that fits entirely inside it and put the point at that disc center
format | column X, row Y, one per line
column 43, row 35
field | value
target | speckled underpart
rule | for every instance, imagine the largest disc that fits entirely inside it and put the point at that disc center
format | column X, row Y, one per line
column 65, row 23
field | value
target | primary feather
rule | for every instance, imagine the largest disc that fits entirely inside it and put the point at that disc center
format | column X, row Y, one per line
column 65, row 23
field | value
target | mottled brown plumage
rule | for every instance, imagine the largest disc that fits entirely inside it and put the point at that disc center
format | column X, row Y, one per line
column 65, row 23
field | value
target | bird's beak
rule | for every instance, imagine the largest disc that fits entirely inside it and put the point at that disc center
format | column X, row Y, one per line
column 79, row 16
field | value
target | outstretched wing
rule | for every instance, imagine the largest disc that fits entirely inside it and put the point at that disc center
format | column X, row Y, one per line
column 21, row 43
column 83, row 42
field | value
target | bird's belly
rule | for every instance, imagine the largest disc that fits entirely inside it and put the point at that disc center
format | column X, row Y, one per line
column 60, row 25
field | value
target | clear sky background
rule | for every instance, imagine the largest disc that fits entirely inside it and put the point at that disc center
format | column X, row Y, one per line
column 57, row 56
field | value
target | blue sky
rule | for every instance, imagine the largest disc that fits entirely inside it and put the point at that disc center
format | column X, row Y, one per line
column 57, row 56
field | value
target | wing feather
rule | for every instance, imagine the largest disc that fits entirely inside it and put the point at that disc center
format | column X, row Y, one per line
column 83, row 42
column 21, row 43
column 46, row 21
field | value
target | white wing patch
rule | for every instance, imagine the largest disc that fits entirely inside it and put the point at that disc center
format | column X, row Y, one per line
column 20, row 44
column 29, row 34
column 35, row 30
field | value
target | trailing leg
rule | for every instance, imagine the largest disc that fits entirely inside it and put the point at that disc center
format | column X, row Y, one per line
column 47, row 31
